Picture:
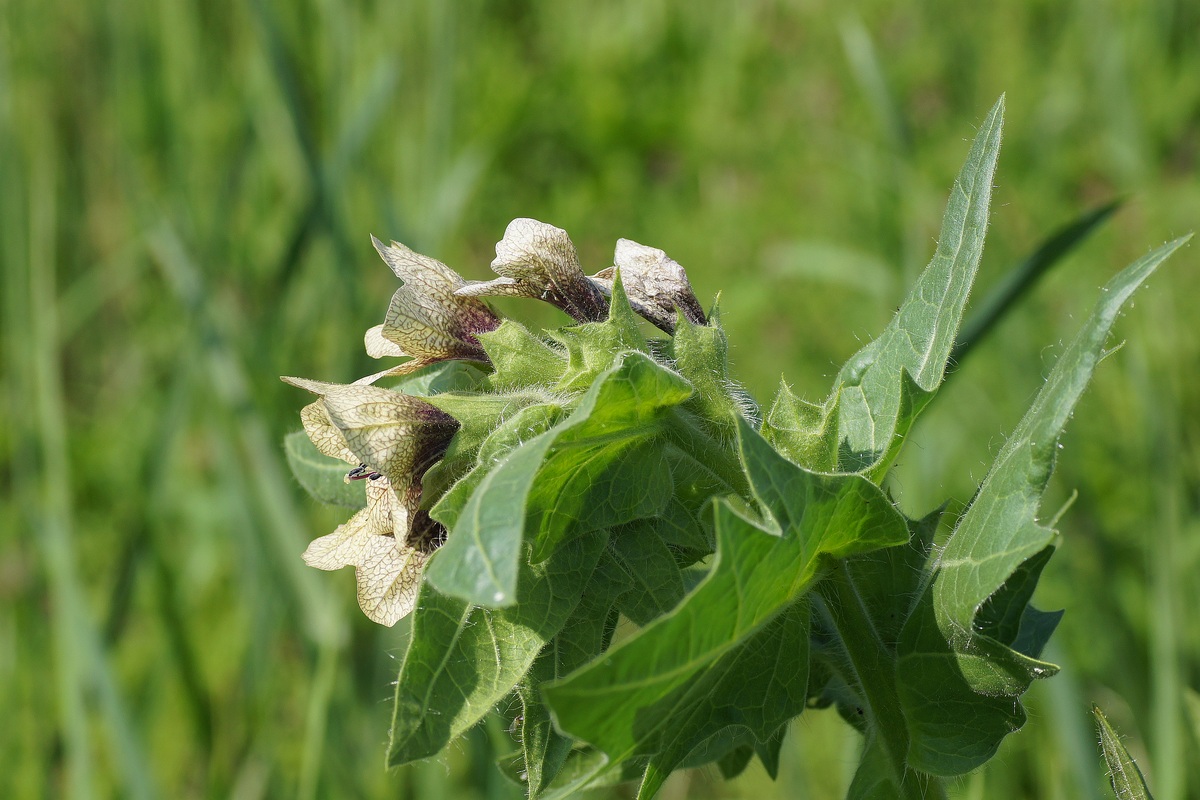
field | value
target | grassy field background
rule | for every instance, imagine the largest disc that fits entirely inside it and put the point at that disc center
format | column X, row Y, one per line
column 186, row 194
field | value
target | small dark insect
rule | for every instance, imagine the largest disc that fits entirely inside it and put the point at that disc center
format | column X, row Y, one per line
column 361, row 472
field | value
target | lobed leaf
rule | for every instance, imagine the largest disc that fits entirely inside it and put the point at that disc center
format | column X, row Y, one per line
column 877, row 403
column 965, row 655
column 622, row 409
column 717, row 659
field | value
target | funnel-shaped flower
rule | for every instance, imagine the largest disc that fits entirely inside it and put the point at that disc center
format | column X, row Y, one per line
column 394, row 438
column 538, row 260
column 426, row 320
column 656, row 285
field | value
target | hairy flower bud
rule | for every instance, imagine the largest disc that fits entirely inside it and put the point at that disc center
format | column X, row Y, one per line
column 656, row 285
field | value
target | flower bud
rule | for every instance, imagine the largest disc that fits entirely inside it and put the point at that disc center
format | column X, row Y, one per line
column 656, row 285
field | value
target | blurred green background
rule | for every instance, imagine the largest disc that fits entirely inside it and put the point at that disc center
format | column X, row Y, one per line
column 186, row 193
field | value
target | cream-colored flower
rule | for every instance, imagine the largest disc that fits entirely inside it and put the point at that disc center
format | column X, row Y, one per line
column 394, row 438
column 656, row 285
column 538, row 260
column 426, row 320
column 388, row 570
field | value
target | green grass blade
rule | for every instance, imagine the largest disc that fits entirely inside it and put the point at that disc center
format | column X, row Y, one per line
column 82, row 664
column 1022, row 278
column 232, row 388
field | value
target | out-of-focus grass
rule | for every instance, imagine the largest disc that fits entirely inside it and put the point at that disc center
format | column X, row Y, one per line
column 186, row 197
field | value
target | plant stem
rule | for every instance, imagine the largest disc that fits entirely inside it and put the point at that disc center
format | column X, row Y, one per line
column 871, row 667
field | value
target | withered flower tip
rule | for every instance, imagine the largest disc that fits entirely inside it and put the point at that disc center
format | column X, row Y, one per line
column 393, row 439
column 426, row 320
column 538, row 260
column 656, row 285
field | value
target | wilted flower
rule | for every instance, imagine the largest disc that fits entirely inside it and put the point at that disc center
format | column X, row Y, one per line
column 426, row 320
column 538, row 260
column 656, row 285
column 394, row 439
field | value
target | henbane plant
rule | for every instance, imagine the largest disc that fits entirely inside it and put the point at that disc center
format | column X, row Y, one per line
column 594, row 525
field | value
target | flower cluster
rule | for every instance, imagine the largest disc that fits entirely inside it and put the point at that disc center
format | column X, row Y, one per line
column 391, row 439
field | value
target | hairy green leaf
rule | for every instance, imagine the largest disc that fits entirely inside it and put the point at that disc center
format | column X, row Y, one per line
column 959, row 649
column 585, row 635
column 521, row 358
column 717, row 660
column 590, row 347
column 804, row 432
column 655, row 580
column 463, row 659
column 600, row 440
column 877, row 403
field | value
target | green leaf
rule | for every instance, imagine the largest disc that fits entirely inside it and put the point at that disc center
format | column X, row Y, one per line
column 623, row 409
column 585, row 635
column 1124, row 775
column 454, row 477
column 463, row 659
column 804, row 432
column 593, row 347
column 583, row 488
column 321, row 476
column 873, row 411
column 655, row 580
column 756, row 687
column 585, row 769
column 520, row 358
column 952, row 657
column 718, row 659
column 701, row 354
column 444, row 376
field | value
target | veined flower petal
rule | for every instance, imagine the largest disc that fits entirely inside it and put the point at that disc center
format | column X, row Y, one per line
column 324, row 434
column 388, row 579
column 425, row 318
column 538, row 260
column 387, row 569
column 396, row 434
column 347, row 545
column 379, row 346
